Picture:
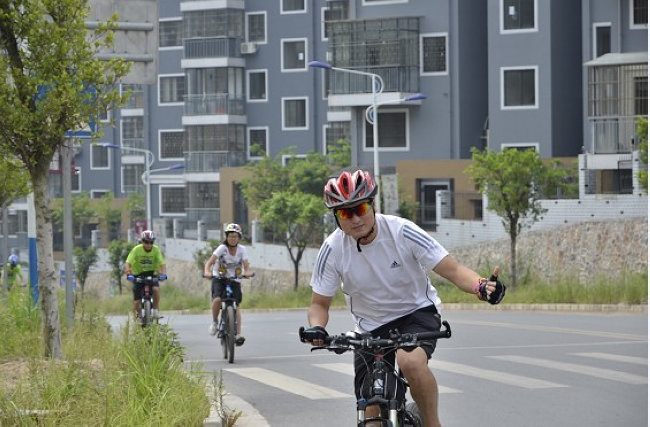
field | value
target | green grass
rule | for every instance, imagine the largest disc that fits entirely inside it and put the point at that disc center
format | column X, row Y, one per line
column 137, row 378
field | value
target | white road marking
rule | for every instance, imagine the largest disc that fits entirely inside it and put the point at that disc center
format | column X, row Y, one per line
column 348, row 369
column 575, row 368
column 497, row 376
column 289, row 384
column 615, row 357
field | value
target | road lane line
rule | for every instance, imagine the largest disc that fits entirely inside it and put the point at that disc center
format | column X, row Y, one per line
column 615, row 357
column 575, row 368
column 289, row 384
column 497, row 376
column 348, row 369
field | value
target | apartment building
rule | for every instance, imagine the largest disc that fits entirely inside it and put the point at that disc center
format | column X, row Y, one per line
column 235, row 82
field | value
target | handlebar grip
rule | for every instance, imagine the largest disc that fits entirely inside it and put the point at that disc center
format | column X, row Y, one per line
column 130, row 277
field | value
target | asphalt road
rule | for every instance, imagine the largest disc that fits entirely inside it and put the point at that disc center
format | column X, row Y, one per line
column 500, row 368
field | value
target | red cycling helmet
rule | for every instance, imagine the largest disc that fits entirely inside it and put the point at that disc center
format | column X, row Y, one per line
column 349, row 188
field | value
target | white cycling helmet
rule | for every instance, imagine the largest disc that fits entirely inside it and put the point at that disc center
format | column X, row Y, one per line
column 233, row 228
column 148, row 236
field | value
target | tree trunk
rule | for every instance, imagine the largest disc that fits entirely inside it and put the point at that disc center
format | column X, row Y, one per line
column 513, row 255
column 47, row 283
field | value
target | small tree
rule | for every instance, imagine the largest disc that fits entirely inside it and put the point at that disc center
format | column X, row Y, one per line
column 112, row 217
column 118, row 250
column 642, row 132
column 84, row 259
column 512, row 180
column 202, row 255
column 298, row 217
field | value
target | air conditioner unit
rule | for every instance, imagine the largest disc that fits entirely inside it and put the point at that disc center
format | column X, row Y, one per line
column 248, row 48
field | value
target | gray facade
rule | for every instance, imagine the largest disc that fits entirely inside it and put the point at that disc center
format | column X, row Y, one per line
column 234, row 83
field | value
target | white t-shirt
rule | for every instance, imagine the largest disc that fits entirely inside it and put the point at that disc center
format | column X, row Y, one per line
column 234, row 264
column 387, row 279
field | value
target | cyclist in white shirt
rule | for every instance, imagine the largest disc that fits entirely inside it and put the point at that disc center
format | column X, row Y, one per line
column 380, row 262
column 228, row 260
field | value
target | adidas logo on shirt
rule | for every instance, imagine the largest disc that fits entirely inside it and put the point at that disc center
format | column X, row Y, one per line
column 395, row 264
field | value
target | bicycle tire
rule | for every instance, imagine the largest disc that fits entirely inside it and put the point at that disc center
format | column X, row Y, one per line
column 231, row 332
column 415, row 414
column 146, row 318
column 223, row 325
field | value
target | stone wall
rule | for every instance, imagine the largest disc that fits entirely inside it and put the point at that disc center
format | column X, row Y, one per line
column 586, row 250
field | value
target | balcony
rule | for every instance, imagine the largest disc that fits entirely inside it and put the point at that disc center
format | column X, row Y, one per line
column 212, row 47
column 213, row 104
column 210, row 161
column 614, row 135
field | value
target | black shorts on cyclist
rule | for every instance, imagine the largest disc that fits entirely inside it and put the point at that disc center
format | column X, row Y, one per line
column 219, row 289
column 138, row 288
column 425, row 319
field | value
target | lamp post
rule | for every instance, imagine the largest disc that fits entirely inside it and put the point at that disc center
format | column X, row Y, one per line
column 147, row 165
column 377, row 88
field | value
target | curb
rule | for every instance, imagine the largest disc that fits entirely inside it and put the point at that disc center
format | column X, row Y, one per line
column 560, row 307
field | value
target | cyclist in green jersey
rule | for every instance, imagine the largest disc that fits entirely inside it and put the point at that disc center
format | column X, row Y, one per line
column 146, row 259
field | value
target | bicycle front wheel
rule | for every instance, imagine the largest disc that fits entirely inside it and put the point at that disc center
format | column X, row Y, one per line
column 413, row 412
column 146, row 317
column 223, row 327
column 231, row 332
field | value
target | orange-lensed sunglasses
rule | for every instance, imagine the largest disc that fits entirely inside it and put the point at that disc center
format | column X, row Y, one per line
column 348, row 213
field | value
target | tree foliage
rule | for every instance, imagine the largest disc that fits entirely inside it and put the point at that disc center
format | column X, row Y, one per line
column 14, row 178
column 118, row 250
column 289, row 199
column 84, row 259
column 83, row 212
column 642, row 132
column 514, row 181
column 51, row 84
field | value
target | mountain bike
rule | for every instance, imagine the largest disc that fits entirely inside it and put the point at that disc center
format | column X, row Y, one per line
column 146, row 302
column 385, row 378
column 227, row 324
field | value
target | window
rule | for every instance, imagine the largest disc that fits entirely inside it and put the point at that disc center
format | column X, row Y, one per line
column 427, row 216
column 518, row 15
column 393, row 131
column 99, row 158
column 76, row 179
column 519, row 88
column 433, row 58
column 256, row 81
column 226, row 22
column 16, row 222
column 172, row 200
column 136, row 95
column 133, row 132
column 641, row 96
column 294, row 114
column 639, row 12
column 256, row 27
column 288, row 158
column 171, row 144
column 131, row 178
column 171, row 89
column 335, row 132
column 602, row 39
column 374, row 2
column 98, row 194
column 521, row 146
column 170, row 33
column 294, row 56
column 258, row 142
column 292, row 6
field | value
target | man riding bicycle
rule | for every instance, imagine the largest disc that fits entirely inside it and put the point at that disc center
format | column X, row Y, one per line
column 227, row 261
column 146, row 259
column 380, row 261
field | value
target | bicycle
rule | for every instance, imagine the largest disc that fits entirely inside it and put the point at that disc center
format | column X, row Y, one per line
column 146, row 302
column 227, row 324
column 394, row 410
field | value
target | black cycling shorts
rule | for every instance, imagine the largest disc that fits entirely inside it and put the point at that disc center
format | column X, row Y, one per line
column 219, row 289
column 425, row 319
column 138, row 288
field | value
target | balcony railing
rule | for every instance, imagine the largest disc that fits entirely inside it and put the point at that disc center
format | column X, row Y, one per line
column 396, row 79
column 209, row 161
column 211, row 104
column 132, row 143
column 613, row 135
column 213, row 47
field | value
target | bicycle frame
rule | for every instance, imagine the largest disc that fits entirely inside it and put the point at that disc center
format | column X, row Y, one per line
column 146, row 302
column 385, row 379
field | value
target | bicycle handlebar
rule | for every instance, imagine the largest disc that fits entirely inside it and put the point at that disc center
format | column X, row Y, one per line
column 219, row 276
column 352, row 341
column 148, row 278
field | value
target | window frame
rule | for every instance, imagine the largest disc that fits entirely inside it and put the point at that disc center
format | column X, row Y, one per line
column 287, row 157
column 284, row 99
column 290, row 12
column 434, row 35
column 594, row 36
column 407, row 131
column 98, row 190
column 92, row 157
column 520, row 145
column 160, row 101
column 381, row 2
column 246, row 27
column 535, row 28
column 160, row 200
column 171, row 19
column 634, row 26
column 265, row 71
column 502, row 73
column 291, row 40
column 160, row 147
column 248, row 141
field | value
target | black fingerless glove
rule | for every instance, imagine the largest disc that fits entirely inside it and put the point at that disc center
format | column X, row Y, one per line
column 499, row 292
column 313, row 333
